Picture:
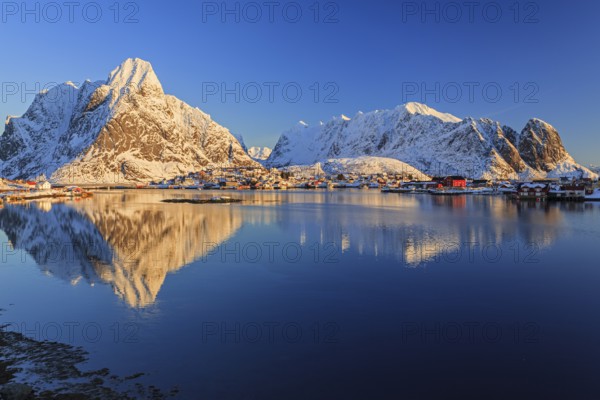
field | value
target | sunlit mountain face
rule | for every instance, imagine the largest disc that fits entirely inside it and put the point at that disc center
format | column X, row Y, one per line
column 122, row 129
column 132, row 241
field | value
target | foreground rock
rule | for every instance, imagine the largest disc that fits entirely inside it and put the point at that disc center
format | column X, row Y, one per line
column 47, row 370
column 16, row 391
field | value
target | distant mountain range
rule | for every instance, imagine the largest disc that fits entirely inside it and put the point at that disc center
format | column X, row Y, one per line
column 126, row 129
column 123, row 129
column 259, row 153
column 432, row 142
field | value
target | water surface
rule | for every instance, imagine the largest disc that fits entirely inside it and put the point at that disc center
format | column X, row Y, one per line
column 314, row 294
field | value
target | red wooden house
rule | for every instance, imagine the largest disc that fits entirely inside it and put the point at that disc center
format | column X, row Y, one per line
column 455, row 181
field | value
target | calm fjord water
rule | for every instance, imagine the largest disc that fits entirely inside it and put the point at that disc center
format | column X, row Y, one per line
column 321, row 294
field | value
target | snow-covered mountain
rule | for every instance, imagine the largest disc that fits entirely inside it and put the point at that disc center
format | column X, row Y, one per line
column 124, row 129
column 433, row 142
column 259, row 153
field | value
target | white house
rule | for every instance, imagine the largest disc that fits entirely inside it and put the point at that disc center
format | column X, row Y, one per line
column 45, row 185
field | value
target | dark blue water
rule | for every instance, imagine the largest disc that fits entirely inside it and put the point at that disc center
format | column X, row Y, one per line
column 342, row 294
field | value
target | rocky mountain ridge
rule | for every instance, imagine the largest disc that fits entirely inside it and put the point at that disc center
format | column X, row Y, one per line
column 124, row 129
column 433, row 142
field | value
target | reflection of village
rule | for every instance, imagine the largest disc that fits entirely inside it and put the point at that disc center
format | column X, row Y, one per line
column 131, row 240
column 407, row 229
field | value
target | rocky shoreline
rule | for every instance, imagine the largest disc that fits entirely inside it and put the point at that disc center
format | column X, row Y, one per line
column 32, row 369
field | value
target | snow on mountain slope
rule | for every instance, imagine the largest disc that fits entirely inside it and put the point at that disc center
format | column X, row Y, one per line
column 432, row 142
column 259, row 153
column 422, row 109
column 124, row 129
column 368, row 165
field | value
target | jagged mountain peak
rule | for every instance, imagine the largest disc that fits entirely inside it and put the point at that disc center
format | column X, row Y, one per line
column 134, row 74
column 433, row 142
column 411, row 109
column 541, row 131
column 422, row 109
column 56, row 93
column 122, row 129
column 538, row 124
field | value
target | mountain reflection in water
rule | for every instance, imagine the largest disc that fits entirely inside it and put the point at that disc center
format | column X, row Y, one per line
column 131, row 240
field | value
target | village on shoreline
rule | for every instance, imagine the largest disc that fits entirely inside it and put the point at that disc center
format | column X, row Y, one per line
column 240, row 179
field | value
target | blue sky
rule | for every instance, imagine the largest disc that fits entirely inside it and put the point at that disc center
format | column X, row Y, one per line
column 506, row 60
